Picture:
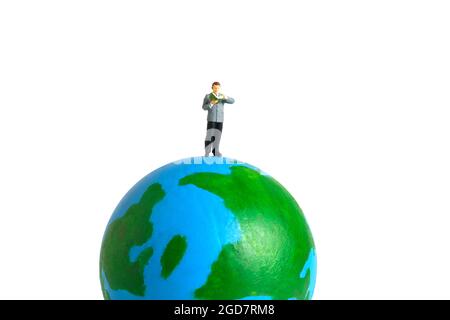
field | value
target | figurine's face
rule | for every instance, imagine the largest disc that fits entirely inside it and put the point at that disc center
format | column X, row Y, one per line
column 216, row 88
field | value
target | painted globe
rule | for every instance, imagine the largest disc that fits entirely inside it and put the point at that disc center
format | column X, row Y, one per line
column 207, row 228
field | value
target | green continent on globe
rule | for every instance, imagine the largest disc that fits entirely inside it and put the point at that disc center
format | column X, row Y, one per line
column 132, row 229
column 172, row 255
column 275, row 239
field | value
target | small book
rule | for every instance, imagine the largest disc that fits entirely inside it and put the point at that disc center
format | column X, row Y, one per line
column 213, row 97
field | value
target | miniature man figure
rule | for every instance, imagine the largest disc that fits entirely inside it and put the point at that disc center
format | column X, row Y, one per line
column 214, row 103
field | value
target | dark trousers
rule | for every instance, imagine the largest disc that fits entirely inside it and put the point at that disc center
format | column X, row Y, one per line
column 213, row 135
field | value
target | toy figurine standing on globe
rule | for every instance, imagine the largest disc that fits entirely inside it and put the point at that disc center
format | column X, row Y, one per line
column 208, row 228
column 214, row 103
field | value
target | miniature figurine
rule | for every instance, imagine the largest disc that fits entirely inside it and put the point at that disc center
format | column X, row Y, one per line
column 214, row 103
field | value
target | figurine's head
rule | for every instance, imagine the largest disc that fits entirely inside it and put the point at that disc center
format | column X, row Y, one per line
column 216, row 87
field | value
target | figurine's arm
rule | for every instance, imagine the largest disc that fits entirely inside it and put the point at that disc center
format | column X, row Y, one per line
column 229, row 100
column 206, row 103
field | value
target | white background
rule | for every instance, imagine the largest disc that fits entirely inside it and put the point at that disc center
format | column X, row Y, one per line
column 346, row 103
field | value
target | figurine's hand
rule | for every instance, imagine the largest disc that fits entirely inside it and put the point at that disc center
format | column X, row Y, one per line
column 214, row 101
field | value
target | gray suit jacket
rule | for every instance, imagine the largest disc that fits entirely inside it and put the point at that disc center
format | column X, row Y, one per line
column 215, row 113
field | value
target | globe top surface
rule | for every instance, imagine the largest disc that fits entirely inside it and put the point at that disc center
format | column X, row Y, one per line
column 207, row 228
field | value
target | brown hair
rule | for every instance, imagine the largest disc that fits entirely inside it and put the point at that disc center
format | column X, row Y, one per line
column 215, row 83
